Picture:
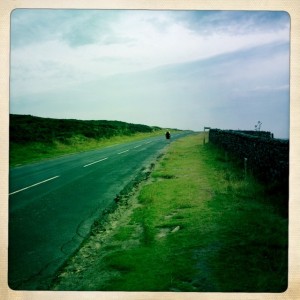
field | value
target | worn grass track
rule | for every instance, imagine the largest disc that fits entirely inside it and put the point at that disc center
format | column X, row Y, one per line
column 196, row 225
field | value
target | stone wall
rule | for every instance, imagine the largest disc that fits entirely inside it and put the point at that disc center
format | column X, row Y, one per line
column 267, row 158
column 263, row 134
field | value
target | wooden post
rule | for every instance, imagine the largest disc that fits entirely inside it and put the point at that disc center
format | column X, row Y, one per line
column 204, row 134
column 245, row 166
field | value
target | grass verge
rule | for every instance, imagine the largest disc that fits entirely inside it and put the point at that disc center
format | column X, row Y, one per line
column 197, row 225
column 20, row 154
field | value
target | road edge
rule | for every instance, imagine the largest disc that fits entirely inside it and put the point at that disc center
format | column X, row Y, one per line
column 122, row 202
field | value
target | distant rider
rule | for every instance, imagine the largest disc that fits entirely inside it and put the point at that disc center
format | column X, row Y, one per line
column 168, row 135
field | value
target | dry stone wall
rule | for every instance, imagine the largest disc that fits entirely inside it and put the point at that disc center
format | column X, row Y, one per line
column 267, row 158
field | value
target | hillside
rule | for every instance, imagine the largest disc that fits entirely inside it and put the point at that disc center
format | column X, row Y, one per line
column 34, row 139
column 26, row 128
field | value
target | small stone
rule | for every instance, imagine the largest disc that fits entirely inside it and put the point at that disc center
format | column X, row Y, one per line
column 175, row 229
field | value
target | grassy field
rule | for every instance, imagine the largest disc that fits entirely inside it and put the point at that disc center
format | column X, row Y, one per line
column 20, row 154
column 27, row 128
column 34, row 139
column 196, row 225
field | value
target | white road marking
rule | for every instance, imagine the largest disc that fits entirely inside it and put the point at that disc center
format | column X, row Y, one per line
column 28, row 187
column 95, row 162
column 138, row 146
column 123, row 151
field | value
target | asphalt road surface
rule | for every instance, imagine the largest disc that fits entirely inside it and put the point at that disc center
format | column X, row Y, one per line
column 53, row 204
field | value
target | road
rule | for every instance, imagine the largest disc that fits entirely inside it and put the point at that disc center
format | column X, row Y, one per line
column 53, row 204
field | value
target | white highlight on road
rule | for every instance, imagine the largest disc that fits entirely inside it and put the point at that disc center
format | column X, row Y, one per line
column 28, row 187
column 95, row 162
column 123, row 151
column 137, row 146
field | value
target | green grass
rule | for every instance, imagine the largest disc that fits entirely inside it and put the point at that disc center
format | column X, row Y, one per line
column 20, row 154
column 27, row 128
column 198, row 226
column 34, row 139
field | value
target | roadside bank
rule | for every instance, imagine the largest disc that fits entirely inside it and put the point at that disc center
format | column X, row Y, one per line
column 196, row 224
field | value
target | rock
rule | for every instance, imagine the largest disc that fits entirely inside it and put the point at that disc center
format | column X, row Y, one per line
column 175, row 229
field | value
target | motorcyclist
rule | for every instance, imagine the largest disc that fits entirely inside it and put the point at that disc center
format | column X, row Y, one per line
column 168, row 135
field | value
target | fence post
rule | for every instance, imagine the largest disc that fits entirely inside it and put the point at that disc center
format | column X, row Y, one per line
column 245, row 166
column 205, row 127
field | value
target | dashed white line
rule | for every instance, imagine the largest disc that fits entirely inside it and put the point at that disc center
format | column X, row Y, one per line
column 123, row 152
column 95, row 162
column 137, row 146
column 28, row 187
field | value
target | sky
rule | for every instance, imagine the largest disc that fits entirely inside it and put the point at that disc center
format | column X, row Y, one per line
column 167, row 68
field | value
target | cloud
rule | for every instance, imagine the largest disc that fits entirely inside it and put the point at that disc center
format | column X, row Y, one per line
column 236, row 22
column 75, row 46
column 216, row 91
column 182, row 69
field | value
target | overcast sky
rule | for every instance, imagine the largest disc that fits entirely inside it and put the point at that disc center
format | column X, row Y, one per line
column 175, row 69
